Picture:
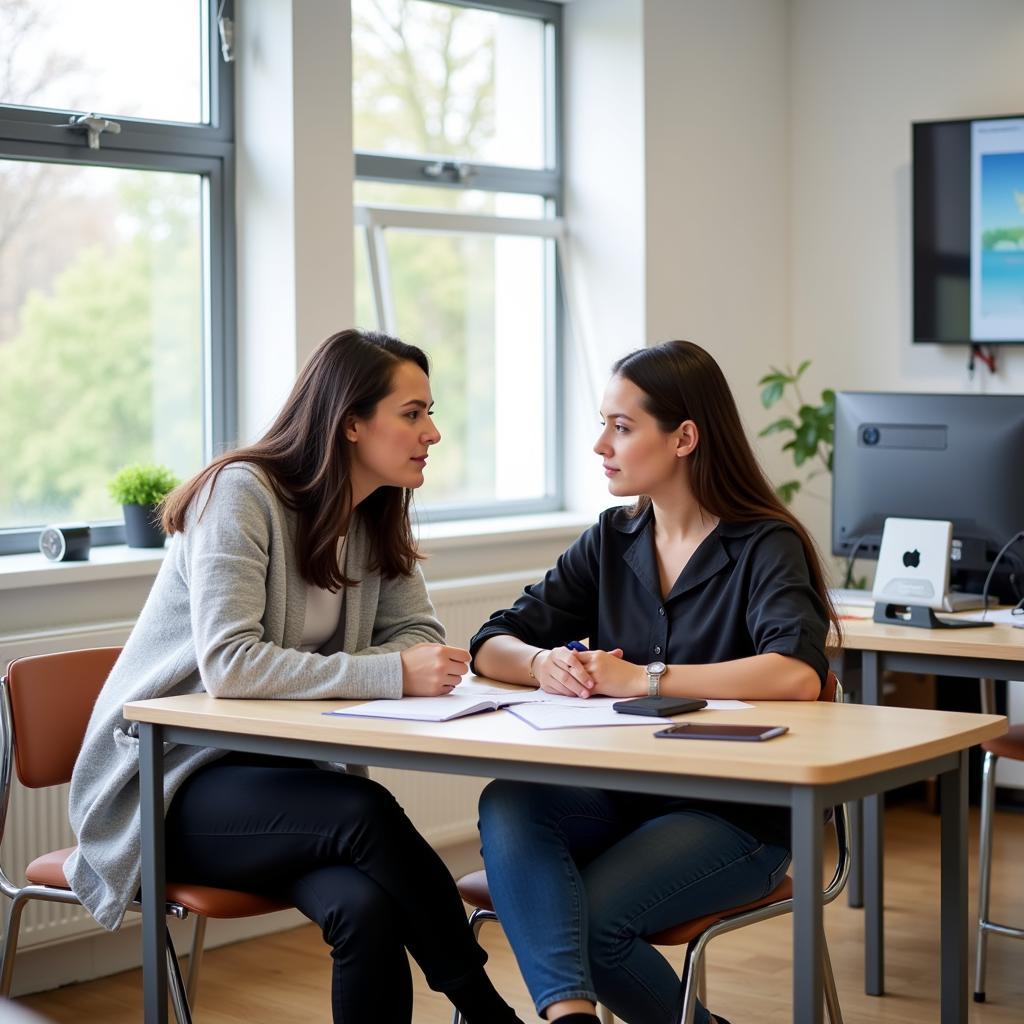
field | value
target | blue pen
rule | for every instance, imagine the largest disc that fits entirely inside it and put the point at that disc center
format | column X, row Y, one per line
column 575, row 645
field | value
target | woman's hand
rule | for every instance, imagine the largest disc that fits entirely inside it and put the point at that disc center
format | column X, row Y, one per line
column 612, row 676
column 432, row 670
column 561, row 671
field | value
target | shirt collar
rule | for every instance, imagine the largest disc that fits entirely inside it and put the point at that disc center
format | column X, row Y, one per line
column 625, row 523
column 708, row 560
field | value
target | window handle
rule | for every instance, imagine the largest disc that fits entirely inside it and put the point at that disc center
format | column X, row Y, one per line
column 92, row 125
column 449, row 170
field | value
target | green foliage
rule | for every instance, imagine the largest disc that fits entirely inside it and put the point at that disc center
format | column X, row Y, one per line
column 104, row 368
column 142, row 484
column 809, row 429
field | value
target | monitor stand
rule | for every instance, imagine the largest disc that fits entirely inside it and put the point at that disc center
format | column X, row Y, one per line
column 921, row 617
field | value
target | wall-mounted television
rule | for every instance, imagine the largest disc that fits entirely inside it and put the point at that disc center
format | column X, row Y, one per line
column 968, row 237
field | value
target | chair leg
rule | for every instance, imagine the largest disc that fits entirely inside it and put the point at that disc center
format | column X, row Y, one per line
column 605, row 1015
column 176, row 987
column 702, row 981
column 988, row 795
column 476, row 922
column 195, row 959
column 832, row 1008
column 693, row 967
column 12, row 929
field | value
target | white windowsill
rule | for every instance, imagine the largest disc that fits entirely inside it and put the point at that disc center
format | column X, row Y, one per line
column 118, row 561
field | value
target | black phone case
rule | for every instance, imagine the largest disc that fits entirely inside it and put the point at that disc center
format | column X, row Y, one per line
column 663, row 707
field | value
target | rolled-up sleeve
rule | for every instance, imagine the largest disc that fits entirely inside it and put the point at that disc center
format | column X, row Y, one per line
column 561, row 607
column 785, row 615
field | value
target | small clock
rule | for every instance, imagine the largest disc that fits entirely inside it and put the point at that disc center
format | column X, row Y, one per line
column 67, row 542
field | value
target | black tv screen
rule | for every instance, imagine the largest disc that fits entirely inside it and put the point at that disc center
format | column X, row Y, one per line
column 968, row 182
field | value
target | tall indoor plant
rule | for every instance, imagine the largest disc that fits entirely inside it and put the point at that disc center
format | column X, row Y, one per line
column 808, row 429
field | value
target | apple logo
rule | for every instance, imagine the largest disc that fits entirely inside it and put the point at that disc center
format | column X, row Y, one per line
column 912, row 558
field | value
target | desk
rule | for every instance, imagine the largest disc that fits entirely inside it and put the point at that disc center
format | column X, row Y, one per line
column 983, row 653
column 832, row 753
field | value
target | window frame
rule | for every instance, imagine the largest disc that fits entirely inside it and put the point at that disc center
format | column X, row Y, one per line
column 35, row 134
column 546, row 182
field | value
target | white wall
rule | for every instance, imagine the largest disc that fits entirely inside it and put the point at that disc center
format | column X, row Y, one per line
column 717, row 184
column 860, row 74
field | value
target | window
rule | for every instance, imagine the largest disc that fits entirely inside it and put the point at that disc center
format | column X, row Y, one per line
column 458, row 196
column 116, row 253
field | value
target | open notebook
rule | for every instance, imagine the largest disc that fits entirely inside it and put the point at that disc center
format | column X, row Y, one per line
column 539, row 709
column 435, row 709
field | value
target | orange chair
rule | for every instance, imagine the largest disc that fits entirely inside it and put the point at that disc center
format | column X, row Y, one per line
column 696, row 934
column 45, row 704
column 1012, row 746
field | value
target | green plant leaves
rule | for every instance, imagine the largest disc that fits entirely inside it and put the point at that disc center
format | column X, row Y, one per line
column 787, row 491
column 142, row 484
column 810, row 434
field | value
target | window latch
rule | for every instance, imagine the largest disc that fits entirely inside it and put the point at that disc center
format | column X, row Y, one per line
column 92, row 126
column 449, row 170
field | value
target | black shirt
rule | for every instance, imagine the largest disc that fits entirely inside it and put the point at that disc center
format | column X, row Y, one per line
column 746, row 590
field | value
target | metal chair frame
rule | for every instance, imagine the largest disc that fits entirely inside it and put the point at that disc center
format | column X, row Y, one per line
column 986, row 925
column 693, row 971
column 182, row 992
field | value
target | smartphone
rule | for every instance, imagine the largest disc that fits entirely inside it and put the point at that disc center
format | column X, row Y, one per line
column 695, row 731
column 660, row 706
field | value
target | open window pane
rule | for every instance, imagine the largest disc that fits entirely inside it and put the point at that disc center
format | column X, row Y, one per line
column 366, row 311
column 432, row 79
column 101, row 333
column 116, row 57
column 478, row 305
column 425, row 197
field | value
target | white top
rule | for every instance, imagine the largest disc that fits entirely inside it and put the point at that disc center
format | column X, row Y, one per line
column 323, row 610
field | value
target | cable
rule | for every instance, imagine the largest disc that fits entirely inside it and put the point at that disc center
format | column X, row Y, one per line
column 857, row 545
column 988, row 579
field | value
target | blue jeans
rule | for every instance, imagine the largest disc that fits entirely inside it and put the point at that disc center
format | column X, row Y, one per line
column 580, row 876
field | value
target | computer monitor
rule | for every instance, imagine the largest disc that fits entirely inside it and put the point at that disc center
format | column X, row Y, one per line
column 955, row 457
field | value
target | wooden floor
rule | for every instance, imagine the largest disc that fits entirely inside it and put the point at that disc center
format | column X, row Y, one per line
column 284, row 978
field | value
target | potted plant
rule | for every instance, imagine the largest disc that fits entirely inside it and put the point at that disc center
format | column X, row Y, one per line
column 139, row 489
column 809, row 435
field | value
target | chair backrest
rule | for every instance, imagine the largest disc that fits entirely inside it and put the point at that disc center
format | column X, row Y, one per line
column 51, row 697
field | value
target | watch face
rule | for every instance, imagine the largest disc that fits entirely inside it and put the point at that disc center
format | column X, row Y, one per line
column 656, row 668
column 51, row 543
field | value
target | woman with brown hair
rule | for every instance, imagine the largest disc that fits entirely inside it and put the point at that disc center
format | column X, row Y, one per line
column 292, row 573
column 707, row 587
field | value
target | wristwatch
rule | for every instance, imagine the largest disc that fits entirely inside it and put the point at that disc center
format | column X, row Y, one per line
column 655, row 670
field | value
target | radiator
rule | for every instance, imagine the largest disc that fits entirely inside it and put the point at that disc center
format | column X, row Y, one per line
column 443, row 807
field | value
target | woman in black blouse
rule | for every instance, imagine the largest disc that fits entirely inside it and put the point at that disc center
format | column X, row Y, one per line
column 706, row 587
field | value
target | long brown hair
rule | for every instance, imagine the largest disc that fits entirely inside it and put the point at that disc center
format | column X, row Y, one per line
column 681, row 381
column 307, row 458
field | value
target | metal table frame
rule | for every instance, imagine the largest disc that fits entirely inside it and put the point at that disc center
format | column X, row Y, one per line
column 807, row 803
column 867, row 819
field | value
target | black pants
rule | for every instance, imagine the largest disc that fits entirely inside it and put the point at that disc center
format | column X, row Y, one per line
column 340, row 849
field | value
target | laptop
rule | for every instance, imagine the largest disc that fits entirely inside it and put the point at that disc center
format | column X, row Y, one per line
column 913, row 566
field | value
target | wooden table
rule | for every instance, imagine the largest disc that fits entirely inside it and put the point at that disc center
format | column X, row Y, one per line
column 986, row 653
column 832, row 753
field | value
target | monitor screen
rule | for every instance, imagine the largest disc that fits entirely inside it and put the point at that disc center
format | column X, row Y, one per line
column 968, row 236
column 955, row 457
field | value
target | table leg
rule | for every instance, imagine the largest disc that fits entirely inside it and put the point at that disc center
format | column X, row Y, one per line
column 847, row 666
column 872, row 855
column 807, row 906
column 154, row 914
column 953, row 893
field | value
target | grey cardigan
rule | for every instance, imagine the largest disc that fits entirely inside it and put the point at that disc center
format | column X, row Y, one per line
column 226, row 614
